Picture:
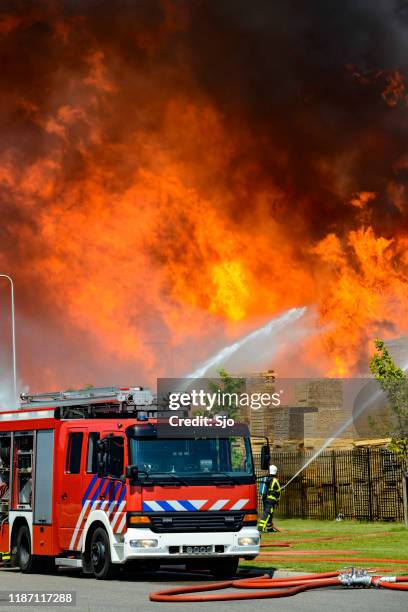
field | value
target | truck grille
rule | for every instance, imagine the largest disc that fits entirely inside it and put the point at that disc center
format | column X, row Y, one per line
column 177, row 522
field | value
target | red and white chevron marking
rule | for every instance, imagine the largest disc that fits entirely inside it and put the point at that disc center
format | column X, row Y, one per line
column 116, row 516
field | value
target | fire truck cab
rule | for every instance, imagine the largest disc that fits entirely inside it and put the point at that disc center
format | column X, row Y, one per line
column 86, row 482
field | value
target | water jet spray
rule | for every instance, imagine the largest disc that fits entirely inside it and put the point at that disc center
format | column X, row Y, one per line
column 271, row 329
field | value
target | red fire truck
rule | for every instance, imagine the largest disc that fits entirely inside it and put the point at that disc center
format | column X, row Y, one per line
column 85, row 481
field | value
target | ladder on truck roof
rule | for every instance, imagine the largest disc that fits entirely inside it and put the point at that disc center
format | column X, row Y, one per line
column 94, row 402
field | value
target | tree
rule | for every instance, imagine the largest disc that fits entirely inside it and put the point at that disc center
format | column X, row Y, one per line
column 229, row 388
column 394, row 382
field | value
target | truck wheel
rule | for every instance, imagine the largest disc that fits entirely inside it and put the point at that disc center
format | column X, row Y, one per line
column 25, row 560
column 222, row 569
column 101, row 563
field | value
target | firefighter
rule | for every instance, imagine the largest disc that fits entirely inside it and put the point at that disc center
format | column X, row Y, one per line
column 270, row 491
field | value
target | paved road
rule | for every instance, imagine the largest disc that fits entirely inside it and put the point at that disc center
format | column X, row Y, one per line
column 126, row 594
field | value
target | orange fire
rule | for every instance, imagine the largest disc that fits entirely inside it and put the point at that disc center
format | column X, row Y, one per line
column 365, row 294
column 146, row 221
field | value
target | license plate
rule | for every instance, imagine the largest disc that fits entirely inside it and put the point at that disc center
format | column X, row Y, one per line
column 198, row 550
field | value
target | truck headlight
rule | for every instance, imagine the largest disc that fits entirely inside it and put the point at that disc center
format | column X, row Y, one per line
column 248, row 541
column 143, row 543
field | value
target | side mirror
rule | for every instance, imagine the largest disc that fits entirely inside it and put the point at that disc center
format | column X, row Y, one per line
column 132, row 472
column 101, row 459
column 101, row 469
column 265, row 457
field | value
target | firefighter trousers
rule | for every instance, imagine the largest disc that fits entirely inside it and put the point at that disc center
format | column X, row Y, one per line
column 266, row 522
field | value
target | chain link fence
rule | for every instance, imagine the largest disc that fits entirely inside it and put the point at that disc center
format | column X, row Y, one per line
column 364, row 484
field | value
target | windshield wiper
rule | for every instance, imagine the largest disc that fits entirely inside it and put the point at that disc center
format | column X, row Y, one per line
column 230, row 478
column 172, row 475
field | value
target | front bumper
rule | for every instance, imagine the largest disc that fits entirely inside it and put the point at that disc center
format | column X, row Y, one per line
column 170, row 545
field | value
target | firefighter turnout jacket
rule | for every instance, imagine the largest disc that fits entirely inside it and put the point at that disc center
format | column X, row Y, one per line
column 270, row 489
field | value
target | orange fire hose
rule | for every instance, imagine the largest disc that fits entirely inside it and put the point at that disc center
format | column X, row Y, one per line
column 269, row 537
column 285, row 587
column 282, row 587
column 394, row 585
column 336, row 556
column 266, row 557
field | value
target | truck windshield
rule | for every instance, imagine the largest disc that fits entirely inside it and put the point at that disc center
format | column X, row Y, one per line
column 225, row 458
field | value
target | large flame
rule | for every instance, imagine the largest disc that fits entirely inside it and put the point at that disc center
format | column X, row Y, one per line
column 173, row 174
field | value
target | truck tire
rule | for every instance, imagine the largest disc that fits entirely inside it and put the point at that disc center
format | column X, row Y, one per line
column 225, row 568
column 101, row 563
column 25, row 560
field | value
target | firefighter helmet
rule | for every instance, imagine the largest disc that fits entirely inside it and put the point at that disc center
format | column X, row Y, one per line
column 273, row 470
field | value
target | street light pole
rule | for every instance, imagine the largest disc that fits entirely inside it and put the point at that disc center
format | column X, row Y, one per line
column 13, row 333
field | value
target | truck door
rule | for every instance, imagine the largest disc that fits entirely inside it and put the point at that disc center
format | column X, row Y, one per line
column 71, row 488
column 113, row 497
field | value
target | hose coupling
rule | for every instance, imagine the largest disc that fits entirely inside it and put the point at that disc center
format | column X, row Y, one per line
column 355, row 577
column 376, row 580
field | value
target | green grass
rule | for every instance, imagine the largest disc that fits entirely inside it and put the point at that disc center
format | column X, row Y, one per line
column 390, row 542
